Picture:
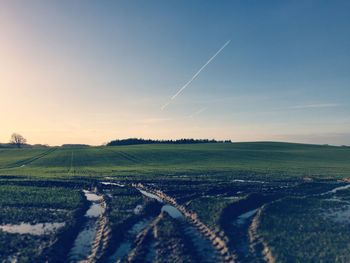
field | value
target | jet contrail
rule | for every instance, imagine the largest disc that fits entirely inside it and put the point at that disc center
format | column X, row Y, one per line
column 194, row 76
column 197, row 112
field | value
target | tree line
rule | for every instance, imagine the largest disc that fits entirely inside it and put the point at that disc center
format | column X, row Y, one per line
column 135, row 141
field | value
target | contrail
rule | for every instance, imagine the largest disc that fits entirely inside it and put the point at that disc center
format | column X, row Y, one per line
column 194, row 76
column 197, row 112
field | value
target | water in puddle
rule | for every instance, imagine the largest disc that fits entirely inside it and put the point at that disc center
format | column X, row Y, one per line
column 36, row 229
column 172, row 211
column 340, row 215
column 83, row 243
column 138, row 209
column 169, row 209
column 125, row 247
column 240, row 229
column 153, row 196
column 339, row 188
column 121, row 252
column 92, row 197
column 242, row 219
column 203, row 246
column 247, row 181
column 95, row 210
column 112, row 183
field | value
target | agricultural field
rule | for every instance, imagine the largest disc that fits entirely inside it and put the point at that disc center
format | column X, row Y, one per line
column 33, row 219
column 222, row 202
column 307, row 228
column 262, row 158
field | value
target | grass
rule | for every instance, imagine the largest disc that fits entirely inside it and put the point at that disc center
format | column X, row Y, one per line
column 22, row 247
column 122, row 204
column 32, row 204
column 209, row 209
column 171, row 244
column 264, row 158
column 43, row 185
column 13, row 157
column 304, row 230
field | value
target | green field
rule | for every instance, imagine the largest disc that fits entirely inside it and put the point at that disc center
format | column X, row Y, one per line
column 251, row 195
column 282, row 160
column 314, row 228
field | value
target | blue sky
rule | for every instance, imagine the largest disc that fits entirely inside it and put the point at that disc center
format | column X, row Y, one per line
column 87, row 71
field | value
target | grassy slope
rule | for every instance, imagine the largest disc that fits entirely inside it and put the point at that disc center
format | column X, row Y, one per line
column 12, row 157
column 279, row 159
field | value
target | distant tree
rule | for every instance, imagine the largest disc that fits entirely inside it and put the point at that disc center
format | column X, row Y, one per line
column 17, row 140
column 134, row 141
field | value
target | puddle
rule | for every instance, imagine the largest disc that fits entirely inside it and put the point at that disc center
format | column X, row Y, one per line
column 169, row 209
column 339, row 188
column 239, row 229
column 341, row 215
column 111, row 183
column 153, row 196
column 231, row 197
column 203, row 246
column 122, row 251
column 247, row 181
column 242, row 219
column 92, row 197
column 95, row 210
column 138, row 209
column 172, row 211
column 83, row 243
column 336, row 199
column 125, row 247
column 36, row 229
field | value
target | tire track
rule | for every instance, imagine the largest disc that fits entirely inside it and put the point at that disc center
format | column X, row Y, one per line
column 258, row 245
column 71, row 164
column 218, row 240
column 128, row 156
column 27, row 161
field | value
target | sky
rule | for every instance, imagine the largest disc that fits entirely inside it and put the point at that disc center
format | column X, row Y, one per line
column 92, row 71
